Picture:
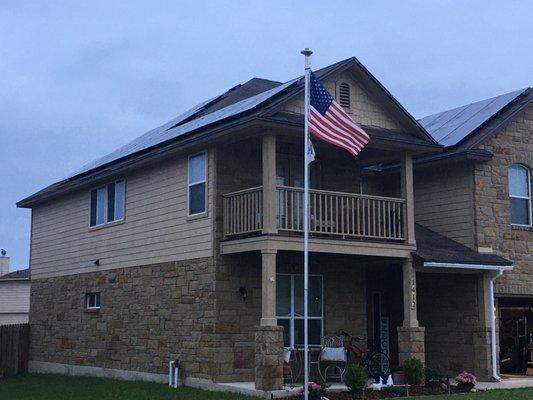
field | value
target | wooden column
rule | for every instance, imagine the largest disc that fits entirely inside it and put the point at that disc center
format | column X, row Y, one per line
column 410, row 317
column 269, row 184
column 408, row 195
column 268, row 289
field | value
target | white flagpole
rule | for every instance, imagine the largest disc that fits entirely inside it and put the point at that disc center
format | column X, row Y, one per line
column 307, row 53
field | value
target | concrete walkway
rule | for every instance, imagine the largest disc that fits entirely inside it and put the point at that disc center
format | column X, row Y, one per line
column 508, row 382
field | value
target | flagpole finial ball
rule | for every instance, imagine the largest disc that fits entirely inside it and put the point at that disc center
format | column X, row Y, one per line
column 306, row 52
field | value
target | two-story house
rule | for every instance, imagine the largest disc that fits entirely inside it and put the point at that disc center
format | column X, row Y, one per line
column 478, row 192
column 187, row 244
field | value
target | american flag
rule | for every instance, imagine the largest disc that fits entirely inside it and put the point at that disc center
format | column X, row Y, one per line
column 329, row 122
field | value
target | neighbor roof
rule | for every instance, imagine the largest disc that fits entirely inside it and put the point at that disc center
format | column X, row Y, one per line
column 249, row 100
column 450, row 127
column 16, row 275
column 433, row 247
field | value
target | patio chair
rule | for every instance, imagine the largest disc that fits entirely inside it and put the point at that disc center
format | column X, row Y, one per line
column 333, row 358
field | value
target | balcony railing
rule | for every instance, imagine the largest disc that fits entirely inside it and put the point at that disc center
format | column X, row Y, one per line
column 336, row 214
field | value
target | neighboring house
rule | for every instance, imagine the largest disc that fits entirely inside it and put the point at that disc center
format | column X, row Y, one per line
column 187, row 243
column 14, row 294
column 478, row 192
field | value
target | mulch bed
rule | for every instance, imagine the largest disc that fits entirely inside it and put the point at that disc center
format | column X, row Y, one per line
column 388, row 393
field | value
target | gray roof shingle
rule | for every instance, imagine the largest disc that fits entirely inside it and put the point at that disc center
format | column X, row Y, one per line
column 15, row 275
column 433, row 247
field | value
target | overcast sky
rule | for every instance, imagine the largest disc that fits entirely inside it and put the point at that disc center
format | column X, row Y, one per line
column 80, row 78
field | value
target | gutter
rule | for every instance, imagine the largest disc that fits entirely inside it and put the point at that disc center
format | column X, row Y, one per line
column 492, row 310
column 489, row 267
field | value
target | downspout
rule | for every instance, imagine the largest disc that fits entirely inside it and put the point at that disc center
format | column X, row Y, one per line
column 492, row 311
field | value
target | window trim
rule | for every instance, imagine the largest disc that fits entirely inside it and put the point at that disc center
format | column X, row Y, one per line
column 201, row 213
column 97, row 296
column 292, row 317
column 528, row 198
column 106, row 203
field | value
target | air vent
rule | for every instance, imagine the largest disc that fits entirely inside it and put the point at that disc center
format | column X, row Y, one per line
column 344, row 95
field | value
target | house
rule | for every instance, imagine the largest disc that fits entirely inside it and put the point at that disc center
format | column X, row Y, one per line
column 187, row 244
column 478, row 192
column 14, row 294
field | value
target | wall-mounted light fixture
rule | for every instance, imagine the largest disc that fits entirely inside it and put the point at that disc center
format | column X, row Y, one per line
column 97, row 262
column 243, row 292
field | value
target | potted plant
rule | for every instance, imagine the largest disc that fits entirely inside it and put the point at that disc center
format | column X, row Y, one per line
column 466, row 381
column 316, row 391
column 398, row 376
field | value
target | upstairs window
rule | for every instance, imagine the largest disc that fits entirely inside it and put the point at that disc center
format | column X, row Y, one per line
column 344, row 95
column 520, row 195
column 107, row 203
column 197, row 184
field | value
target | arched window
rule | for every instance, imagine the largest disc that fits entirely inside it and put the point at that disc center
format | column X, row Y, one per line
column 520, row 194
column 344, row 95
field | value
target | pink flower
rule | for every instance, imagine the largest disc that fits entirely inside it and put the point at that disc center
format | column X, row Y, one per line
column 466, row 378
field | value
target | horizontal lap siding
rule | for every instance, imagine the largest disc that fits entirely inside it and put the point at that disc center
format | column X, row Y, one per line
column 444, row 201
column 155, row 229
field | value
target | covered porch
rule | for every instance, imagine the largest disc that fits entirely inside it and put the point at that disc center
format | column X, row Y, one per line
column 413, row 306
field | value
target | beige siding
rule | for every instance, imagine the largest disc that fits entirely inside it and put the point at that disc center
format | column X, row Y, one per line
column 155, row 229
column 14, row 301
column 444, row 201
column 363, row 107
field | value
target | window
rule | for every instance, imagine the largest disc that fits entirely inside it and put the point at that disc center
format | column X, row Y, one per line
column 107, row 203
column 290, row 309
column 344, row 95
column 197, row 184
column 520, row 195
column 92, row 301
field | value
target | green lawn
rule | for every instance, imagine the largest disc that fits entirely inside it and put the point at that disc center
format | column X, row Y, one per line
column 61, row 387
column 510, row 394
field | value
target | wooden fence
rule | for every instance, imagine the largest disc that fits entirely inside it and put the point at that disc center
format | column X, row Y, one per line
column 14, row 349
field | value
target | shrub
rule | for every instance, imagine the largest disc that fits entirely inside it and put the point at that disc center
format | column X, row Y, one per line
column 434, row 377
column 414, row 372
column 466, row 379
column 356, row 377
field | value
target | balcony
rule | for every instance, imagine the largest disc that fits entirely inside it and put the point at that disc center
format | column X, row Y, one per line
column 332, row 214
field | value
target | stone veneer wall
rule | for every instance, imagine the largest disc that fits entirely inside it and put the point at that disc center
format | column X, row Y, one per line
column 513, row 145
column 456, row 336
column 149, row 315
column 344, row 304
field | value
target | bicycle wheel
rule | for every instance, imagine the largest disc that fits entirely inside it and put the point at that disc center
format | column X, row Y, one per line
column 378, row 363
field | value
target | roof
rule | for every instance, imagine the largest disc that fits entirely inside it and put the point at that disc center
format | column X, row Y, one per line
column 16, row 275
column 254, row 99
column 450, row 127
column 436, row 248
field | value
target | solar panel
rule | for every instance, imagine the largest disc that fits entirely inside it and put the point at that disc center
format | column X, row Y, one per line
column 450, row 127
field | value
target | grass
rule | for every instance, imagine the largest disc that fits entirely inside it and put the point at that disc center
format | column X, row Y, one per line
column 62, row 387
column 496, row 394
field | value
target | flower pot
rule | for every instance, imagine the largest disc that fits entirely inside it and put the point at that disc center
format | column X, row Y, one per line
column 398, row 378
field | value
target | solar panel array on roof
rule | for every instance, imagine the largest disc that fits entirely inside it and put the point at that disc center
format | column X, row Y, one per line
column 450, row 127
column 170, row 131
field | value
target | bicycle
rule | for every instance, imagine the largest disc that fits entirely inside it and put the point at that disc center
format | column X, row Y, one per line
column 377, row 362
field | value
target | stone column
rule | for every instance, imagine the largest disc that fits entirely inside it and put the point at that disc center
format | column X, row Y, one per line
column 410, row 335
column 269, row 358
column 269, row 184
column 408, row 195
column 268, row 288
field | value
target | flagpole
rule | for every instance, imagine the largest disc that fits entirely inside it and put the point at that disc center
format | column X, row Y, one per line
column 307, row 54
